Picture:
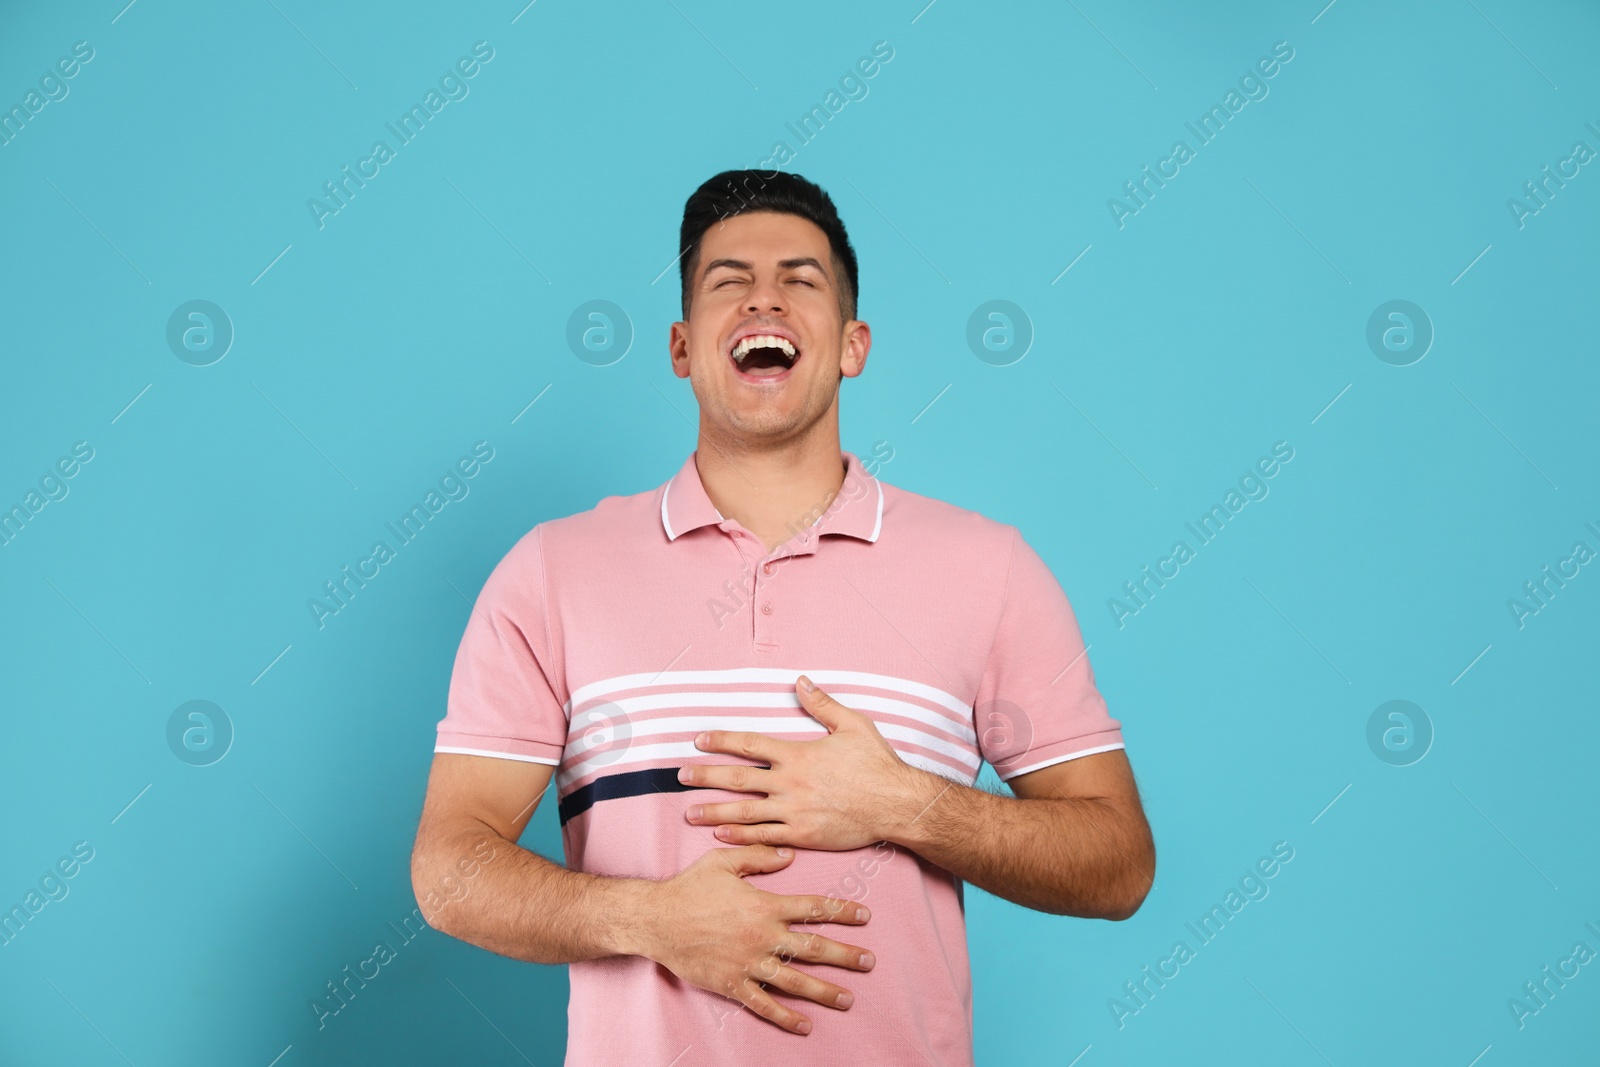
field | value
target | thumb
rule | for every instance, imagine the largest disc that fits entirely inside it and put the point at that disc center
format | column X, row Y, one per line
column 819, row 705
column 755, row 859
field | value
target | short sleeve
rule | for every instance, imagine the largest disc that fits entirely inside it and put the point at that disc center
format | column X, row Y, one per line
column 1037, row 704
column 503, row 699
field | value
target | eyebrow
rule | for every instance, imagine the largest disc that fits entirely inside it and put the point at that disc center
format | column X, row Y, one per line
column 784, row 264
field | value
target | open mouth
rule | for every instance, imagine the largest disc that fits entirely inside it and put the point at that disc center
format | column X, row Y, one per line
column 764, row 356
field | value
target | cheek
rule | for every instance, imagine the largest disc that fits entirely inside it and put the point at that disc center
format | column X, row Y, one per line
column 824, row 364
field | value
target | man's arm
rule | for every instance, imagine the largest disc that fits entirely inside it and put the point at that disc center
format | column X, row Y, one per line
column 706, row 924
column 472, row 881
column 1074, row 841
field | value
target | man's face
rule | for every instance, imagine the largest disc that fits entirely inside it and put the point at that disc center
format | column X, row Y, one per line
column 766, row 274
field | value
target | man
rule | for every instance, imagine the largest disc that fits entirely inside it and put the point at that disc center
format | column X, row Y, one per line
column 764, row 690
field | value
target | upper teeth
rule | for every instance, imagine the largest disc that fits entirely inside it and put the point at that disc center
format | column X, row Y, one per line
column 762, row 340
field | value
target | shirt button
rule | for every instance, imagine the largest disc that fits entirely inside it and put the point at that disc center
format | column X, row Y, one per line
column 766, row 608
column 768, row 569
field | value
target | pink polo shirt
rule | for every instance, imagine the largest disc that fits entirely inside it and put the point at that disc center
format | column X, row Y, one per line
column 604, row 641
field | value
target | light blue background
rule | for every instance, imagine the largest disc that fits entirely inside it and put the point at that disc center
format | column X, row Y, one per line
column 1225, row 316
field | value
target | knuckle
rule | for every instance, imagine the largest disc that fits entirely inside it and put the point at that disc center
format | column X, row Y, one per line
column 737, row 777
column 746, row 808
column 795, row 982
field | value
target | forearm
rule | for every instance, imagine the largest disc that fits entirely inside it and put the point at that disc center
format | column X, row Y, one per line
column 474, row 885
column 1068, row 856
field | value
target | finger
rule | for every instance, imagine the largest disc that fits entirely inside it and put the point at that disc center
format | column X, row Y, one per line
column 819, row 705
column 814, row 907
column 736, row 777
column 748, row 991
column 744, row 811
column 741, row 743
column 754, row 859
column 811, row 987
column 762, row 833
column 814, row 948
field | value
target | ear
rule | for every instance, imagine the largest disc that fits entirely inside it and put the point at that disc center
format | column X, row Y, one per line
column 678, row 348
column 857, row 342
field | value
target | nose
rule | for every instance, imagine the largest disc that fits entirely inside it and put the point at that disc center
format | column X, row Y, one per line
column 765, row 294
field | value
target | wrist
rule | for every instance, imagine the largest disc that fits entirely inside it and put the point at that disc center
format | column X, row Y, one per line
column 917, row 791
column 632, row 912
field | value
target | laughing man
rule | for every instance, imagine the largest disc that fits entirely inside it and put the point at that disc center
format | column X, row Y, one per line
column 764, row 690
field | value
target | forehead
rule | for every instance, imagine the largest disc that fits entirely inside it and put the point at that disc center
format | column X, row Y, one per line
column 763, row 238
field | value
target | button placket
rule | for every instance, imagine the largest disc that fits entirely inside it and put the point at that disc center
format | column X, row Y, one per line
column 765, row 574
column 751, row 569
column 763, row 604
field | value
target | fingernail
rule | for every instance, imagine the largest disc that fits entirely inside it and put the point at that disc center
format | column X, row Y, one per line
column 862, row 915
column 784, row 852
column 844, row 1000
column 683, row 775
column 803, row 1026
column 722, row 832
column 866, row 959
column 694, row 813
column 701, row 739
column 806, row 684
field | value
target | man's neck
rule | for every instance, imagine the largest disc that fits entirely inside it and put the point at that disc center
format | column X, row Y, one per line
column 773, row 493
